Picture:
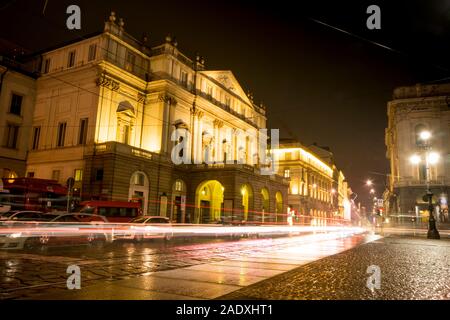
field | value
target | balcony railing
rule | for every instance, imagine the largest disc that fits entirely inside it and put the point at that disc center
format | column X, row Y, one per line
column 120, row 148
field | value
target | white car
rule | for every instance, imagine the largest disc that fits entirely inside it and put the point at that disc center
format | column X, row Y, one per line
column 50, row 229
column 148, row 227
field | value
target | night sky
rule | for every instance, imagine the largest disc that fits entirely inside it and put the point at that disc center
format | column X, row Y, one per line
column 319, row 84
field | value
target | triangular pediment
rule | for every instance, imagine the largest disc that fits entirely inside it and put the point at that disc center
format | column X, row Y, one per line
column 227, row 79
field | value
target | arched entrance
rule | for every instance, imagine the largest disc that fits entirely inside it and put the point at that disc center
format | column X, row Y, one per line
column 278, row 206
column 247, row 203
column 265, row 203
column 178, row 201
column 138, row 191
column 208, row 201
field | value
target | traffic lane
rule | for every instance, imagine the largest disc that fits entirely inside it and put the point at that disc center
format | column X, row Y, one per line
column 210, row 280
column 28, row 274
column 411, row 269
column 43, row 269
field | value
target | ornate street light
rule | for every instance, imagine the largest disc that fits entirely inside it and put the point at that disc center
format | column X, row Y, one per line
column 430, row 159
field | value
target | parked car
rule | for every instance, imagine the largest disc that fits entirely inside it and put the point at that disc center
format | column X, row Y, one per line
column 22, row 215
column 53, row 229
column 149, row 227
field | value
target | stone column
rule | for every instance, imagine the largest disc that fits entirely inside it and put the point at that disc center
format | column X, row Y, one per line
column 218, row 141
column 165, row 133
column 200, row 137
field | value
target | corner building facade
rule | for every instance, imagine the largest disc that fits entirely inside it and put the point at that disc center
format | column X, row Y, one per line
column 413, row 110
column 107, row 108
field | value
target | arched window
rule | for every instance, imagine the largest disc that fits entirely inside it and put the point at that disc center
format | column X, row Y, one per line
column 139, row 189
column 265, row 203
column 278, row 205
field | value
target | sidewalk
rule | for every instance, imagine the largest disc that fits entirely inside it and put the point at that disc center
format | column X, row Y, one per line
column 411, row 268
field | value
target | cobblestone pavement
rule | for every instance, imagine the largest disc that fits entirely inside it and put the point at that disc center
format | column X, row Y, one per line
column 26, row 274
column 411, row 268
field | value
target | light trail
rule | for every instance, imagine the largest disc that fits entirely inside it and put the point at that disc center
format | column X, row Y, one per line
column 21, row 231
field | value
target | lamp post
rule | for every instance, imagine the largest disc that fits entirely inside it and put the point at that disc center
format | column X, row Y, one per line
column 430, row 158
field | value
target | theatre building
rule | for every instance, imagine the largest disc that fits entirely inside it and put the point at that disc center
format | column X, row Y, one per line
column 106, row 110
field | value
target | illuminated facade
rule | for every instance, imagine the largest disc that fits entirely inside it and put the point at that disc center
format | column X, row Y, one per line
column 414, row 110
column 17, row 95
column 311, row 182
column 343, row 195
column 107, row 107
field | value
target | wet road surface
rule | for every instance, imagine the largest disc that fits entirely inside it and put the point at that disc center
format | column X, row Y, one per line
column 159, row 270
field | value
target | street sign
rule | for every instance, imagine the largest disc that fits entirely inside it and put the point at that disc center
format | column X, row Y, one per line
column 380, row 202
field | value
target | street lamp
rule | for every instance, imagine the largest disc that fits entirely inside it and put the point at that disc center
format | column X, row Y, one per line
column 425, row 135
column 369, row 182
column 430, row 159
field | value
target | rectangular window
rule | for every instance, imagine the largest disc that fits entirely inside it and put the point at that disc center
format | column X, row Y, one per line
column 131, row 60
column 422, row 172
column 184, row 78
column 36, row 136
column 12, row 132
column 227, row 101
column 46, row 67
column 78, row 175
column 55, row 175
column 61, row 134
column 83, row 131
column 92, row 52
column 99, row 174
column 287, row 173
column 71, row 60
column 16, row 104
column 30, row 175
column 124, row 133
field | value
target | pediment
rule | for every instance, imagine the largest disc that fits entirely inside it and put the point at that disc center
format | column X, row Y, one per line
column 227, row 79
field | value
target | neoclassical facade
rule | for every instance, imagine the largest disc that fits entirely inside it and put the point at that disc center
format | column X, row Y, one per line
column 117, row 116
column 311, row 192
column 413, row 110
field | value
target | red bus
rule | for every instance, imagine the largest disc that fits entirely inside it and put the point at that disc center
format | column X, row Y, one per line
column 34, row 194
column 114, row 211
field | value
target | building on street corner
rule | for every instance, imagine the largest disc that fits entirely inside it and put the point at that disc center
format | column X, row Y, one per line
column 418, row 133
column 318, row 192
column 105, row 113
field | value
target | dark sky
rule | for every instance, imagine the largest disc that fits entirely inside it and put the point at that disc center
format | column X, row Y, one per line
column 320, row 84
